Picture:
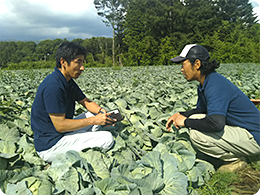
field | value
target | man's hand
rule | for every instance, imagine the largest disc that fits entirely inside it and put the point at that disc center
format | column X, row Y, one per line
column 177, row 120
column 104, row 119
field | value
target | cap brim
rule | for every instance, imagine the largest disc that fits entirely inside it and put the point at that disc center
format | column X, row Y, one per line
column 178, row 59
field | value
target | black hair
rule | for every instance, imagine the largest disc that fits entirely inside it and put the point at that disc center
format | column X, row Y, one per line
column 69, row 51
column 207, row 66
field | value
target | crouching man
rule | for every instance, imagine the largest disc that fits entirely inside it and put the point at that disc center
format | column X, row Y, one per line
column 55, row 129
column 225, row 124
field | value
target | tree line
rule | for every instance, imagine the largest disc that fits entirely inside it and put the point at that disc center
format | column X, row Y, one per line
column 151, row 32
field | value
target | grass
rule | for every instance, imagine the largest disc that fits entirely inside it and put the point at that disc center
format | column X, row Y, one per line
column 219, row 184
column 243, row 182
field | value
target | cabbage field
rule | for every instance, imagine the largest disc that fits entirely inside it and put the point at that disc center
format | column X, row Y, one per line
column 145, row 160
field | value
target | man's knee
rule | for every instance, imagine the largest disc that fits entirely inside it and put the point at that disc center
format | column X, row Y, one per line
column 108, row 140
column 196, row 136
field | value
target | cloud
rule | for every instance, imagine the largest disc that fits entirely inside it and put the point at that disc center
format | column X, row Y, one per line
column 50, row 19
column 256, row 8
column 254, row 4
column 44, row 19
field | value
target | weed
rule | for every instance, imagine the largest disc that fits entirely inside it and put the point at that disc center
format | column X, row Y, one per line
column 219, row 184
column 244, row 182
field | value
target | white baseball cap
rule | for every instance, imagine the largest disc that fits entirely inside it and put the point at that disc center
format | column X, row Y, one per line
column 192, row 51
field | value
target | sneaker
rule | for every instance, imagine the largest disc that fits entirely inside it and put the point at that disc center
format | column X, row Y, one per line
column 233, row 166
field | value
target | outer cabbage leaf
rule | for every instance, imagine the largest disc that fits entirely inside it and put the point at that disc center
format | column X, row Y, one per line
column 106, row 184
column 187, row 145
column 86, row 191
column 46, row 187
column 18, row 189
column 123, row 156
column 33, row 159
column 7, row 147
column 33, row 184
column 59, row 167
column 188, row 158
column 9, row 134
column 68, row 181
column 169, row 162
column 154, row 113
column 205, row 168
column 156, row 131
column 119, row 144
column 87, row 172
column 26, row 145
column 140, row 170
column 121, row 103
column 3, row 163
column 155, row 181
column 176, row 183
column 24, row 174
column 4, row 177
column 99, row 162
column 195, row 176
column 153, row 158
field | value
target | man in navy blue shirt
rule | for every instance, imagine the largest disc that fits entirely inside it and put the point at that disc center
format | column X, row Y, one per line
column 55, row 129
column 225, row 124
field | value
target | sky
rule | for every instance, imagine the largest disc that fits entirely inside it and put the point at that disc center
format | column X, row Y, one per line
column 36, row 20
column 26, row 20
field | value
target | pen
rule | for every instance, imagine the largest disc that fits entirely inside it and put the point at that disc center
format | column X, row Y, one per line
column 107, row 116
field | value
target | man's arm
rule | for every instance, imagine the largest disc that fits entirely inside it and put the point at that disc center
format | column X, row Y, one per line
column 91, row 106
column 212, row 123
column 63, row 124
column 178, row 118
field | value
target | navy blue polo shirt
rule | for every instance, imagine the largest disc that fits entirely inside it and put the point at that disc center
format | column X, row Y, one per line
column 54, row 95
column 219, row 96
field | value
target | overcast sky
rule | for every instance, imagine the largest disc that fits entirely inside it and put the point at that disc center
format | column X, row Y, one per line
column 35, row 20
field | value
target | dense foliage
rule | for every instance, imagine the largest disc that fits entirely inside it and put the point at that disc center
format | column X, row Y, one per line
column 114, row 13
column 157, row 30
column 145, row 160
column 151, row 32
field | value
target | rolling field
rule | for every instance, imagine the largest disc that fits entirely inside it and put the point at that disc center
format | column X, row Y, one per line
column 146, row 158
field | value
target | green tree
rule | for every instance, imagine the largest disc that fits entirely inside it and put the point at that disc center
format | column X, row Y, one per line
column 46, row 49
column 25, row 50
column 200, row 19
column 78, row 41
column 114, row 12
column 7, row 49
column 236, row 10
column 137, row 27
column 170, row 47
column 91, row 46
column 147, row 24
column 98, row 49
column 174, row 23
column 234, row 43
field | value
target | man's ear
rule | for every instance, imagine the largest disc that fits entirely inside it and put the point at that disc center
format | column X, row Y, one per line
column 197, row 64
column 63, row 63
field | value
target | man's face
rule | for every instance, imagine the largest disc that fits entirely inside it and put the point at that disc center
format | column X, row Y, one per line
column 189, row 72
column 75, row 68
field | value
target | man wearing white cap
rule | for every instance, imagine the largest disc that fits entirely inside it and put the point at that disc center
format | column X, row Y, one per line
column 225, row 124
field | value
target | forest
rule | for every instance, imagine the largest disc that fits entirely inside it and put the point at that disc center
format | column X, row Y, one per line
column 151, row 32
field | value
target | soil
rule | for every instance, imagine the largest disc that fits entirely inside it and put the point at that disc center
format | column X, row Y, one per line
column 249, row 183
